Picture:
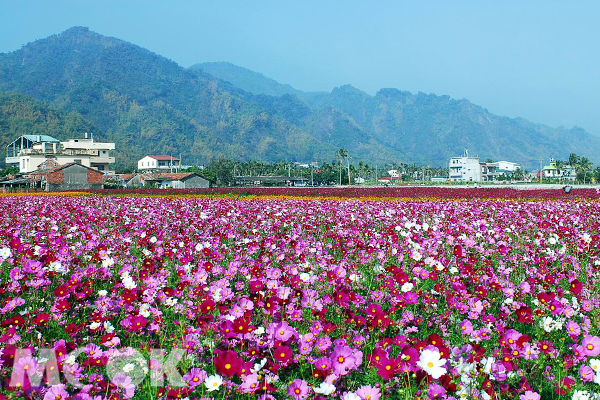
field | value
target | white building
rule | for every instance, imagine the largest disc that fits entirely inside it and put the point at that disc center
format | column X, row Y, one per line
column 159, row 162
column 464, row 169
column 30, row 151
column 507, row 166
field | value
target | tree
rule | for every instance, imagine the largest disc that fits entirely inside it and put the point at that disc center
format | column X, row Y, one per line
column 560, row 166
column 341, row 154
column 573, row 160
column 584, row 167
column 518, row 175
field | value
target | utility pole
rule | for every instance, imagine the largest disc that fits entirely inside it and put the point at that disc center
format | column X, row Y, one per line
column 540, row 171
column 348, row 161
column 312, row 182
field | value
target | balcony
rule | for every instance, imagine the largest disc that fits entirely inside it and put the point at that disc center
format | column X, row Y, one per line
column 102, row 160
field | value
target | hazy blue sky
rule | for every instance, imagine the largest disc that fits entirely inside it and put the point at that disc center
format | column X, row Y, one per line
column 535, row 59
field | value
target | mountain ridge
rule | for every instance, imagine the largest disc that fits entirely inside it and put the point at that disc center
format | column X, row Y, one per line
column 148, row 104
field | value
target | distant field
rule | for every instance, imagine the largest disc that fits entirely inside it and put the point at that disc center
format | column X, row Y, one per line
column 529, row 191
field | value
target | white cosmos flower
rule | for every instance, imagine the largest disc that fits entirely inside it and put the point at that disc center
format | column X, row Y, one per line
column 595, row 364
column 213, row 382
column 325, row 389
column 128, row 367
column 431, row 362
column 102, row 293
column 94, row 325
column 407, row 287
column 5, row 253
column 304, row 277
column 581, row 395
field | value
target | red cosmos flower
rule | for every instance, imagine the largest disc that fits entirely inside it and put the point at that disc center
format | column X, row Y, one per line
column 169, row 292
column 377, row 356
column 282, row 354
column 63, row 305
column 95, row 362
column 242, row 326
column 179, row 393
column 458, row 251
column 129, row 296
column 16, row 320
column 524, row 314
column 565, row 385
column 137, row 323
column 387, row 367
column 41, row 319
column 227, row 363
column 207, row 306
column 576, row 286
column 61, row 291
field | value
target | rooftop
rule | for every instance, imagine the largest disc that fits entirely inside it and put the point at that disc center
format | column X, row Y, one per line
column 163, row 158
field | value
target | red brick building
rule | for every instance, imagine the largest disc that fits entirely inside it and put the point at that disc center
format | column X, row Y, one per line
column 53, row 177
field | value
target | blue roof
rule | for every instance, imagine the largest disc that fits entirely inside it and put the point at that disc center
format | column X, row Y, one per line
column 40, row 138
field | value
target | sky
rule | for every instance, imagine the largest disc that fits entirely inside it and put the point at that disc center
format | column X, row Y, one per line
column 538, row 60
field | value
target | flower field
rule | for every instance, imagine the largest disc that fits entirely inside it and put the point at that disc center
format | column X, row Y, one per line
column 294, row 299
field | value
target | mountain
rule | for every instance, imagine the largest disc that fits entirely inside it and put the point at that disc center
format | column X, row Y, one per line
column 22, row 115
column 245, row 79
column 146, row 104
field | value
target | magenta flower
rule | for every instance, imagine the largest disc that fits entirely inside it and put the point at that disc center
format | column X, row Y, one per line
column 436, row 391
column 299, row 389
column 342, row 360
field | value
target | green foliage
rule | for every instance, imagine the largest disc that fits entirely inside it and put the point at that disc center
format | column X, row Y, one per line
column 147, row 104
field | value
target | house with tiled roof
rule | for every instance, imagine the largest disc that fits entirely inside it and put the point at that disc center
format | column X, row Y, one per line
column 178, row 180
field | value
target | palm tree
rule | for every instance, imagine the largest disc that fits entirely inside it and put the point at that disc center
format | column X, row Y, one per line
column 341, row 154
column 584, row 166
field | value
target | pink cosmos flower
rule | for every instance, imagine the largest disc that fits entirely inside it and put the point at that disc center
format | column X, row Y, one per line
column 586, row 373
column 529, row 395
column 368, row 392
column 591, row 346
column 56, row 392
column 342, row 360
column 195, row 377
column 299, row 389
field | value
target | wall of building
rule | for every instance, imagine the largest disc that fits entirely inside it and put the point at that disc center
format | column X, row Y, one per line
column 31, row 163
column 195, row 182
column 74, row 177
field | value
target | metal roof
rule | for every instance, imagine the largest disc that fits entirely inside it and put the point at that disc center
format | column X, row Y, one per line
column 40, row 138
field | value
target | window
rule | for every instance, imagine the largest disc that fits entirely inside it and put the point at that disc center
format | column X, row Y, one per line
column 77, row 161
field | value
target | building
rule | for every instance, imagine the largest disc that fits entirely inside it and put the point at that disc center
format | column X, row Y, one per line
column 558, row 170
column 163, row 180
column 275, row 180
column 470, row 169
column 28, row 152
column 465, row 169
column 52, row 176
column 159, row 162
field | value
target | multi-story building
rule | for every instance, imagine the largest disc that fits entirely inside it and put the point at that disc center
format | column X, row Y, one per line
column 30, row 151
column 464, row 169
column 559, row 170
column 158, row 163
column 470, row 169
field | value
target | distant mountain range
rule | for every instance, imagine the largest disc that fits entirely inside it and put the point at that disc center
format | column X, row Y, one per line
column 82, row 81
